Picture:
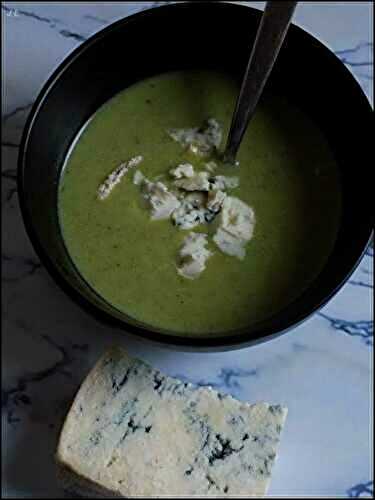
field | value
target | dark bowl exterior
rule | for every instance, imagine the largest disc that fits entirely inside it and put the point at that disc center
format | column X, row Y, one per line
column 152, row 42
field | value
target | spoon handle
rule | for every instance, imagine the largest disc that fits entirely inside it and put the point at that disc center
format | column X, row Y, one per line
column 269, row 39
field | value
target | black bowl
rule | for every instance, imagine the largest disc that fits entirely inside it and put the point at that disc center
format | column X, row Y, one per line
column 181, row 36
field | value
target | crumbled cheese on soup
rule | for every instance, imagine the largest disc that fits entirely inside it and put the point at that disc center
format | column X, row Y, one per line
column 237, row 218
column 211, row 166
column 213, row 133
column 202, row 181
column 115, row 177
column 198, row 198
column 224, row 182
column 202, row 140
column 198, row 208
column 229, row 244
column 183, row 170
column 237, row 221
column 191, row 212
column 161, row 201
column 215, row 200
column 198, row 182
column 193, row 256
column 138, row 178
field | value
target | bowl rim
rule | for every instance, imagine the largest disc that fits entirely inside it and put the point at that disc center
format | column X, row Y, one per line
column 221, row 342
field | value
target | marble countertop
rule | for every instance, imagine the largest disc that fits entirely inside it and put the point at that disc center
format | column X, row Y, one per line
column 321, row 370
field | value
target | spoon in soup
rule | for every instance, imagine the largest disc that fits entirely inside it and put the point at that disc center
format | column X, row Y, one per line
column 273, row 27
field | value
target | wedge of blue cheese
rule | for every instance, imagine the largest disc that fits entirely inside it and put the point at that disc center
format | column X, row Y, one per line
column 134, row 432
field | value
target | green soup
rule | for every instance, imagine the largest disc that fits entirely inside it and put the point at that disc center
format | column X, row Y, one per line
column 287, row 175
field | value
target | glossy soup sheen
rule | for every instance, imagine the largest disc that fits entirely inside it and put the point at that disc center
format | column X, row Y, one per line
column 287, row 175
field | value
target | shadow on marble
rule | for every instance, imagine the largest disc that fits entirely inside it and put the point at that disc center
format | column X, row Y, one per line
column 30, row 464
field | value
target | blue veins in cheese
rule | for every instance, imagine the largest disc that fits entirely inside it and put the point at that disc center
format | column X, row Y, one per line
column 201, row 181
column 193, row 255
column 198, row 208
column 191, row 212
column 134, row 432
column 115, row 177
column 201, row 141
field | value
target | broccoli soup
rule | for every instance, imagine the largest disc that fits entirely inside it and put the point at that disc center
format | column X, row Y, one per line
column 171, row 236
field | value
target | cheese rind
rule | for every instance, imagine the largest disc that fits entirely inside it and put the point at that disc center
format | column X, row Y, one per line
column 134, row 432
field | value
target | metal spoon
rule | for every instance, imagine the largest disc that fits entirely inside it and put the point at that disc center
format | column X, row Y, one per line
column 269, row 39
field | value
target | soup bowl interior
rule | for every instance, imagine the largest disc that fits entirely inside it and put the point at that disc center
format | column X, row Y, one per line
column 215, row 36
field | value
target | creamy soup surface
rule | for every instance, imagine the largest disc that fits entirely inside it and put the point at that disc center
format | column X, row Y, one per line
column 287, row 175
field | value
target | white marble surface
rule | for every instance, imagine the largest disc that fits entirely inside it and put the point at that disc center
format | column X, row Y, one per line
column 320, row 370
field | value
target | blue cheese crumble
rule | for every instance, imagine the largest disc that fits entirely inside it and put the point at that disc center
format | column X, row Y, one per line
column 197, row 182
column 115, row 177
column 182, row 170
column 138, row 178
column 211, row 166
column 135, row 432
column 237, row 222
column 198, row 208
column 193, row 256
column 201, row 141
column 161, row 201
column 224, row 182
column 229, row 244
column 191, row 212
column 237, row 218
column 215, row 200
column 189, row 180
column 198, row 198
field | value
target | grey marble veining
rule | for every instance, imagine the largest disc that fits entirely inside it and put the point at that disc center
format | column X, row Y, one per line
column 320, row 370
